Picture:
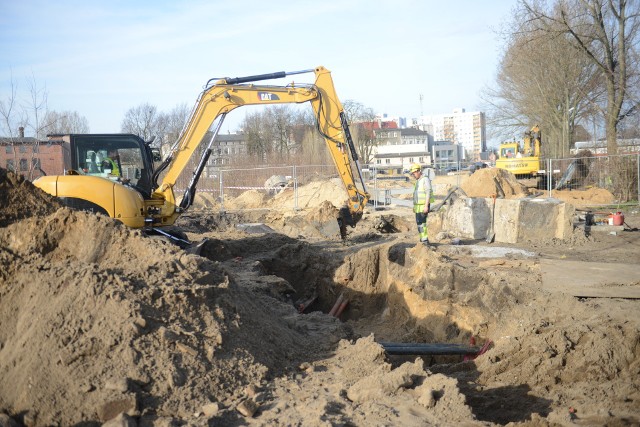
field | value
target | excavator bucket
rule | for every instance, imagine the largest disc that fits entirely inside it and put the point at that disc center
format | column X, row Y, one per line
column 346, row 218
column 177, row 238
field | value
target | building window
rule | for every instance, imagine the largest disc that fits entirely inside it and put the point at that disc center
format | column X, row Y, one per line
column 23, row 164
column 411, row 160
column 8, row 149
column 387, row 161
column 10, row 166
column 35, row 163
column 378, row 162
column 23, row 148
column 421, row 159
column 34, row 148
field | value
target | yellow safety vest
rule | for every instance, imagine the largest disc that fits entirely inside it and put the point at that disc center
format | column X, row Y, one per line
column 421, row 189
column 114, row 166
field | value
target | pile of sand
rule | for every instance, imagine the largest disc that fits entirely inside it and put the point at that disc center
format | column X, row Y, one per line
column 250, row 199
column 16, row 194
column 96, row 319
column 585, row 198
column 494, row 181
column 312, row 195
column 205, row 200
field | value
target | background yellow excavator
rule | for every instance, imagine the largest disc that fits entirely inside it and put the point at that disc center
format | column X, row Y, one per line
column 522, row 160
column 94, row 179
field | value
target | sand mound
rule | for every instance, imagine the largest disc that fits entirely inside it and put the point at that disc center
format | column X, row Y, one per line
column 312, row 195
column 123, row 323
column 205, row 200
column 585, row 198
column 19, row 199
column 97, row 319
column 250, row 199
column 487, row 182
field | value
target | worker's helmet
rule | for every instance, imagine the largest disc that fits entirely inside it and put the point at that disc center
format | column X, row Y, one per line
column 415, row 167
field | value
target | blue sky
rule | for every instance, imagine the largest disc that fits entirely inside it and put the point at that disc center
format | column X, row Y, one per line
column 101, row 58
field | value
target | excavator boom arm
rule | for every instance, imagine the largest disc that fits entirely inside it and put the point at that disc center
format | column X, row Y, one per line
column 226, row 95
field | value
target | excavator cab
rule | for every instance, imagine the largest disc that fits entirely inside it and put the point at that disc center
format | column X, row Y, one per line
column 118, row 157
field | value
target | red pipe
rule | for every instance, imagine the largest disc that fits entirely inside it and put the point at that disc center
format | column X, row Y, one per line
column 336, row 305
column 342, row 307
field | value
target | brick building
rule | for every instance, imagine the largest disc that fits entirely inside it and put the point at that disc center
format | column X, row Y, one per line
column 32, row 158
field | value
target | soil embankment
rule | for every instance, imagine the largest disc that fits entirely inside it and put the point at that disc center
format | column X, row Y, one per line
column 98, row 322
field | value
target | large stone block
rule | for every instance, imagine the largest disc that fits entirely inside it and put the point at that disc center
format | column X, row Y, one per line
column 516, row 220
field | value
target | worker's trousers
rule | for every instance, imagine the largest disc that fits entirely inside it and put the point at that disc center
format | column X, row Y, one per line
column 421, row 220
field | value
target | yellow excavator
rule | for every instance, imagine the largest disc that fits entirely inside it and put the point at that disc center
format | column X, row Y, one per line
column 522, row 160
column 94, row 179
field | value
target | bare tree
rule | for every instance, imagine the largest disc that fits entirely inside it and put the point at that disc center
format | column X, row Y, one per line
column 175, row 121
column 361, row 120
column 277, row 133
column 282, row 120
column 630, row 128
column 606, row 31
column 8, row 110
column 258, row 135
column 542, row 80
column 35, row 111
column 284, row 132
column 36, row 108
column 314, row 147
column 65, row 122
column 144, row 121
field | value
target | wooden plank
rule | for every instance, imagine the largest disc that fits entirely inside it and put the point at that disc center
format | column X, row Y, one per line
column 591, row 279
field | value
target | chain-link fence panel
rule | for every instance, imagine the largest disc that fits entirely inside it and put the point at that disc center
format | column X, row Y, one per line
column 234, row 182
column 620, row 175
column 309, row 173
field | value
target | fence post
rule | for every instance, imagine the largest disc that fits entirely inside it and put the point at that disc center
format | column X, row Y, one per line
column 295, row 188
column 221, row 191
column 549, row 177
column 638, row 177
column 375, row 187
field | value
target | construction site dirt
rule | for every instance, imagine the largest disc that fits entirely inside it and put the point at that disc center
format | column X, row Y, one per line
column 276, row 322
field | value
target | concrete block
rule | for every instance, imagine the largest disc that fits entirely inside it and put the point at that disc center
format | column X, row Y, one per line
column 468, row 218
column 516, row 220
column 543, row 219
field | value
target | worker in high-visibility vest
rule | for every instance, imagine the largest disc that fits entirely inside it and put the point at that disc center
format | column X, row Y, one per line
column 111, row 163
column 422, row 199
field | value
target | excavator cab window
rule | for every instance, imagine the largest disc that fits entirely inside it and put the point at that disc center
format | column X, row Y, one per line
column 117, row 157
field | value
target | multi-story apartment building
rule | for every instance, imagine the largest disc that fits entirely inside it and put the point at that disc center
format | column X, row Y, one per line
column 467, row 129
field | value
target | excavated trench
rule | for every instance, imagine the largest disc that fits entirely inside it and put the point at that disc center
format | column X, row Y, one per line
column 394, row 289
